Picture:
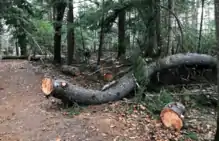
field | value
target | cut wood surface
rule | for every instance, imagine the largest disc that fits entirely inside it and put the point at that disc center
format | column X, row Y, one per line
column 172, row 115
column 65, row 91
column 108, row 77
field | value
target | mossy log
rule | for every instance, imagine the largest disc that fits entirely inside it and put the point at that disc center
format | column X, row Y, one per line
column 65, row 91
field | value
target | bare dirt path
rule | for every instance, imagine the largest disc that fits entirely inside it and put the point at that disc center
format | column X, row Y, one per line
column 24, row 115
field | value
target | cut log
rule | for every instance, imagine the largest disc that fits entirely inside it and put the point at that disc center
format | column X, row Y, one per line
column 108, row 77
column 70, row 70
column 67, row 92
column 172, row 115
column 46, row 87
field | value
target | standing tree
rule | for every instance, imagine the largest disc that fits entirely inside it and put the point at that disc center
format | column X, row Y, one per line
column 70, row 33
column 201, row 24
column 59, row 9
column 101, row 35
column 121, row 29
column 217, row 36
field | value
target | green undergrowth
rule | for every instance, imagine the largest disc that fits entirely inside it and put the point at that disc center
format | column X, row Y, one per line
column 75, row 109
column 189, row 135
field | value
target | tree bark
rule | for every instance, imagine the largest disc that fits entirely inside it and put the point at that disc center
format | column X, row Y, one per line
column 216, row 3
column 65, row 91
column 101, row 35
column 170, row 23
column 194, row 15
column 60, row 9
column 22, row 41
column 70, row 33
column 158, row 21
column 200, row 31
column 121, row 30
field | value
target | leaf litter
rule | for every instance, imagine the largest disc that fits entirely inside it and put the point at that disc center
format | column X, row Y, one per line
column 120, row 120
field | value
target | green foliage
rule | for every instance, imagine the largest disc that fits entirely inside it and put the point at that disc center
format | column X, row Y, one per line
column 190, row 135
column 74, row 110
column 208, row 40
column 43, row 35
column 156, row 102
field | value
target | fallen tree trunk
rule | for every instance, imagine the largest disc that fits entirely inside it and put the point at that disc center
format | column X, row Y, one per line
column 178, row 60
column 14, row 57
column 65, row 91
column 180, row 69
column 25, row 57
column 28, row 57
column 70, row 70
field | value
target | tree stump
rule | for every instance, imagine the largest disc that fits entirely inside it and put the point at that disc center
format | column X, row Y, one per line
column 172, row 115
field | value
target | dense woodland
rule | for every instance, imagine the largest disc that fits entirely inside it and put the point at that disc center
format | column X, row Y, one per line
column 147, row 52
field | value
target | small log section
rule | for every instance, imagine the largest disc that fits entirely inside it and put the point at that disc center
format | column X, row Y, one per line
column 67, row 92
column 172, row 115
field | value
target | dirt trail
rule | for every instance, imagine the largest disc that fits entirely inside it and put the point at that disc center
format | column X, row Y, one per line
column 24, row 113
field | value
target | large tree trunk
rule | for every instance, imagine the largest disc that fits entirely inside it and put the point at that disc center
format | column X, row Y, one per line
column 70, row 34
column 158, row 21
column 121, row 36
column 151, row 50
column 194, row 14
column 17, row 48
column 101, row 35
column 65, row 91
column 22, row 41
column 200, row 30
column 170, row 30
column 217, row 36
column 60, row 9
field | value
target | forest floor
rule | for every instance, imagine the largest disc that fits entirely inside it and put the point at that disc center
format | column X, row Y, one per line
column 26, row 115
